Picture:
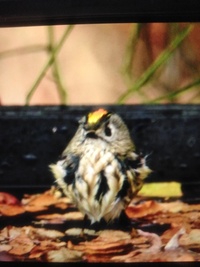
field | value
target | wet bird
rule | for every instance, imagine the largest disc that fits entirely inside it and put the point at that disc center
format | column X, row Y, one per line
column 99, row 170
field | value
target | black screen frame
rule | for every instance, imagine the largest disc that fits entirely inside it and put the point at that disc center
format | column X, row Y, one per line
column 19, row 13
column 53, row 12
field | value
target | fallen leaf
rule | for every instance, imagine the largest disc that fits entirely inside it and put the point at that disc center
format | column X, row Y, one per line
column 61, row 205
column 106, row 245
column 191, row 239
column 75, row 215
column 45, row 233
column 168, row 234
column 178, row 255
column 162, row 189
column 174, row 207
column 49, row 221
column 43, row 247
column 108, row 242
column 154, row 240
column 64, row 255
column 5, row 247
column 8, row 199
column 113, row 235
column 21, row 245
column 173, row 243
column 11, row 210
column 45, row 199
column 143, row 209
column 9, row 233
column 33, row 208
column 41, row 202
column 79, row 231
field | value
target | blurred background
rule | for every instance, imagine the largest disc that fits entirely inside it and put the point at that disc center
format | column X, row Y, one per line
column 100, row 63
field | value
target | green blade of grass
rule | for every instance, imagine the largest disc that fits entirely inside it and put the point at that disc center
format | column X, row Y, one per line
column 162, row 58
column 126, row 69
column 55, row 69
column 179, row 91
column 50, row 61
column 22, row 51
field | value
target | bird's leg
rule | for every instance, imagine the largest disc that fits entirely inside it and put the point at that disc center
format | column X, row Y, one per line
column 121, row 223
column 82, row 234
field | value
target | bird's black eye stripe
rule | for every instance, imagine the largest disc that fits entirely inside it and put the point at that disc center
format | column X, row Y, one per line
column 107, row 130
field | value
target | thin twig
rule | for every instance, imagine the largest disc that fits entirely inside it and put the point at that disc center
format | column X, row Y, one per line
column 130, row 52
column 56, row 73
column 174, row 94
column 48, row 63
column 22, row 50
column 162, row 58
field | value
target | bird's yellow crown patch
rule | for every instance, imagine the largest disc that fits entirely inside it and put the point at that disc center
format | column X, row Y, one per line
column 95, row 116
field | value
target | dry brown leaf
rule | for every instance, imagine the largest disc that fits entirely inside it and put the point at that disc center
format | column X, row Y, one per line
column 177, row 255
column 37, row 252
column 139, row 241
column 8, row 199
column 45, row 199
column 61, row 205
column 51, row 221
column 102, row 248
column 64, row 255
column 9, row 233
column 173, row 242
column 42, row 233
column 168, row 234
column 30, row 208
column 43, row 247
column 126, row 254
column 144, row 209
column 40, row 202
column 177, row 220
column 174, row 207
column 97, row 259
column 75, row 215
column 79, row 231
column 192, row 207
column 129, row 257
column 113, row 235
column 152, row 207
column 5, row 247
column 153, row 239
column 29, row 240
column 108, row 242
column 108, row 245
column 191, row 239
column 21, row 245
column 11, row 210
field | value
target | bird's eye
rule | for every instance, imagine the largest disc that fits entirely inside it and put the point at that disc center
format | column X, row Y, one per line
column 107, row 130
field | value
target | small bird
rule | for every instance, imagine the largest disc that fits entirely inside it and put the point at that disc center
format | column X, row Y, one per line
column 99, row 170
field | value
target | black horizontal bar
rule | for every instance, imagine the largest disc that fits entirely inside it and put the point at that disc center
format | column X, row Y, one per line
column 48, row 12
column 31, row 138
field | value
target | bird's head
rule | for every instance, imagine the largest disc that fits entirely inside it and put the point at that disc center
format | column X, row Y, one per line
column 109, row 127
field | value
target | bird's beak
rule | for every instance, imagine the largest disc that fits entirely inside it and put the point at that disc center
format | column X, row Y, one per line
column 91, row 134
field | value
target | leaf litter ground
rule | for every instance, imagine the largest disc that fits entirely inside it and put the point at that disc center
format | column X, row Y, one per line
column 47, row 227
